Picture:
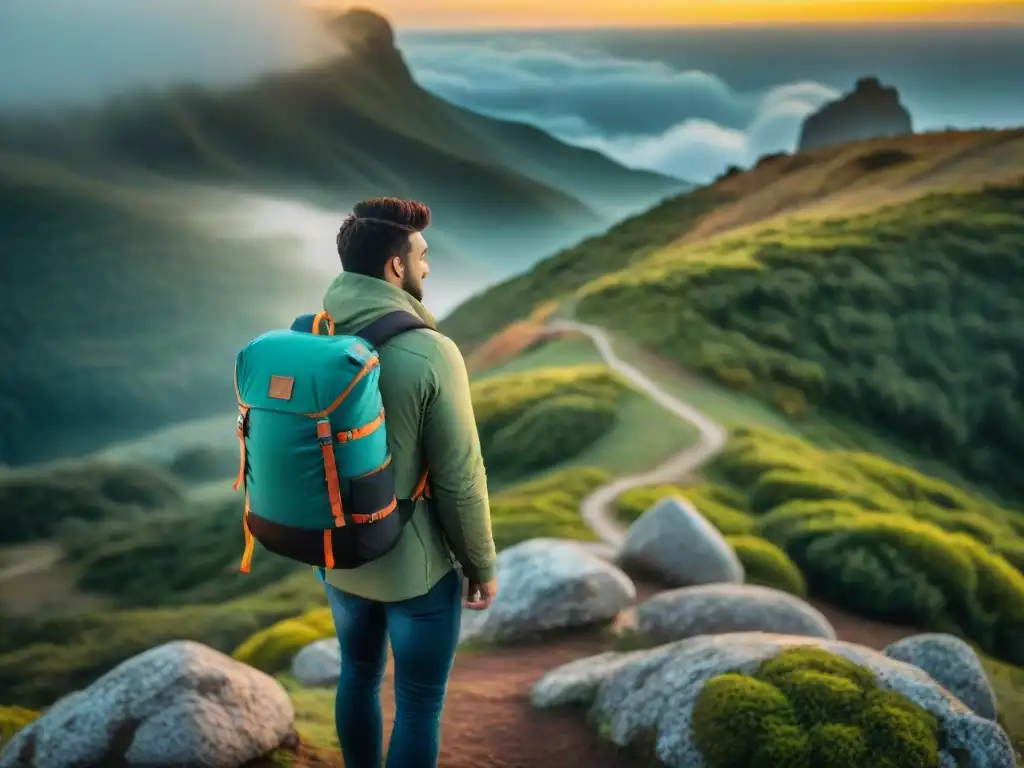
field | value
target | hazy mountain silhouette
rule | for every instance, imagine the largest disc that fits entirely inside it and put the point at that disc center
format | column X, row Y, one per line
column 124, row 315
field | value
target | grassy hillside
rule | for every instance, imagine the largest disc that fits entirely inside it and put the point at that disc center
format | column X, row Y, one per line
column 870, row 535
column 881, row 286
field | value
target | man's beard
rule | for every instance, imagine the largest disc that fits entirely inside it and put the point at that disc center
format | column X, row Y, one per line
column 413, row 289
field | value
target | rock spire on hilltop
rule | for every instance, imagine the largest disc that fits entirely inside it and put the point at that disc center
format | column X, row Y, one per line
column 364, row 30
column 369, row 37
column 871, row 110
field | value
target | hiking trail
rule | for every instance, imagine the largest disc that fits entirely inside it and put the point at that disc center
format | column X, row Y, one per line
column 598, row 509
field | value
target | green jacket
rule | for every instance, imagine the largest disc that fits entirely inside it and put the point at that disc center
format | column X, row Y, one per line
column 430, row 423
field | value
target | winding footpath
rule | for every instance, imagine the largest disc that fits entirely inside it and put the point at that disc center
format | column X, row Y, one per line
column 598, row 509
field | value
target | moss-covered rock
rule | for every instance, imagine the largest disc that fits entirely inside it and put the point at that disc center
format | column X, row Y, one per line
column 808, row 707
column 12, row 720
column 272, row 649
column 833, row 714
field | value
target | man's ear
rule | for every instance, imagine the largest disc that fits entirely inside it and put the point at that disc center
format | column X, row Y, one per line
column 396, row 265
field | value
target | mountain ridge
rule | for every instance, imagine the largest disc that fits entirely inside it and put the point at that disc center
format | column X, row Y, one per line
column 871, row 284
column 105, row 197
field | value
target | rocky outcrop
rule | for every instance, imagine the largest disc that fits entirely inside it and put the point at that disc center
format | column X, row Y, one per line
column 370, row 37
column 549, row 584
column 953, row 664
column 647, row 699
column 871, row 110
column 318, row 664
column 674, row 543
column 714, row 609
column 179, row 704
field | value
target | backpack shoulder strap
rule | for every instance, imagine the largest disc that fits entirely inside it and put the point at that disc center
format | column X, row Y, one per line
column 320, row 321
column 384, row 329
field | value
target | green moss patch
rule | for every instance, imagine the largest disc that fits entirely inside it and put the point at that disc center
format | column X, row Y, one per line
column 809, row 708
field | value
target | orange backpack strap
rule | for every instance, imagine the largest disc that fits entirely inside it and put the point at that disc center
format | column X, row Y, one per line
column 250, row 543
column 323, row 433
column 318, row 318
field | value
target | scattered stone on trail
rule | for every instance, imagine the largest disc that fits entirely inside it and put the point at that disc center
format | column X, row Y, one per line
column 953, row 664
column 179, row 704
column 673, row 542
column 549, row 584
column 318, row 664
column 714, row 609
column 637, row 696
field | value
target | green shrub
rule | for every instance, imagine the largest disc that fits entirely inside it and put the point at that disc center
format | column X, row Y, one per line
column 38, row 501
column 899, row 569
column 766, row 564
column 547, row 506
column 273, row 648
column 12, row 720
column 540, row 418
column 721, row 506
column 549, row 433
column 808, row 708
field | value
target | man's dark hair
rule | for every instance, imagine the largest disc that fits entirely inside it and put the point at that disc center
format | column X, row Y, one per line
column 377, row 230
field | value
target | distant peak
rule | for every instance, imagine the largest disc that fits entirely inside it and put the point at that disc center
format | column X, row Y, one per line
column 364, row 30
column 870, row 110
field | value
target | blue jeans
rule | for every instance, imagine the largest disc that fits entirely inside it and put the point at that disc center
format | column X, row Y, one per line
column 423, row 632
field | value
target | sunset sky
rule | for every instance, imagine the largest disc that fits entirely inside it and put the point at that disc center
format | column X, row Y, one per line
column 584, row 13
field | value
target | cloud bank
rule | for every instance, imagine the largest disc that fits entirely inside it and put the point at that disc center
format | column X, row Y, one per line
column 645, row 114
column 74, row 51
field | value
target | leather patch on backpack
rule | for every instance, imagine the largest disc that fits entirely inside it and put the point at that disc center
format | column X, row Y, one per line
column 281, row 387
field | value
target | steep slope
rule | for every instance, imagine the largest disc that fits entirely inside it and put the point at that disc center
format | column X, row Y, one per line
column 877, row 282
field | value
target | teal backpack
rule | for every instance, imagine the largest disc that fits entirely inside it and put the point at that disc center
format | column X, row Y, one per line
column 319, row 483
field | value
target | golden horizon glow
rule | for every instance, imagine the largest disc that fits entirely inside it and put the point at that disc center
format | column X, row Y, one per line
column 536, row 14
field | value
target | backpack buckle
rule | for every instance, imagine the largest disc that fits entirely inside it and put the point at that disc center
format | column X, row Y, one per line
column 323, row 432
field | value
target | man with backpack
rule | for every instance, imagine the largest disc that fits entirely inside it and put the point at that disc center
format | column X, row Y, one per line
column 360, row 456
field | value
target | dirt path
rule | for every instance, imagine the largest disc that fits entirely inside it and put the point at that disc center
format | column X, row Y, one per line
column 40, row 563
column 597, row 509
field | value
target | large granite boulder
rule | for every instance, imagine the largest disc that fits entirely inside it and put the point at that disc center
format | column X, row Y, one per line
column 648, row 700
column 674, row 543
column 318, row 664
column 549, row 584
column 179, row 704
column 714, row 609
column 953, row 664
column 870, row 111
